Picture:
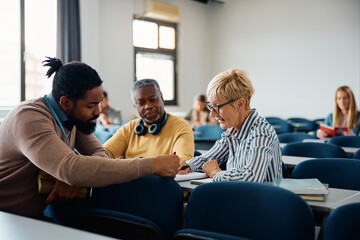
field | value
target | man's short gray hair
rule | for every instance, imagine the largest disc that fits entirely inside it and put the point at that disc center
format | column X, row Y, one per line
column 143, row 83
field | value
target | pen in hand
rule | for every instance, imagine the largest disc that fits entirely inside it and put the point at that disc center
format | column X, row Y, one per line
column 184, row 167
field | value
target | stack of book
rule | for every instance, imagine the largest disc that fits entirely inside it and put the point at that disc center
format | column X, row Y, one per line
column 309, row 189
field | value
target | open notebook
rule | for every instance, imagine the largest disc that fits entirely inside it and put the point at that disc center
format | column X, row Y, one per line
column 190, row 176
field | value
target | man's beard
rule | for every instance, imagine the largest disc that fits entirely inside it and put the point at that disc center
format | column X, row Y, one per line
column 85, row 127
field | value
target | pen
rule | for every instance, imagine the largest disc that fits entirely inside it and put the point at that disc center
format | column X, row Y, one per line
column 184, row 167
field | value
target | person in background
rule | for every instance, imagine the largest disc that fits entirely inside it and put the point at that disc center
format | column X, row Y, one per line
column 249, row 147
column 108, row 115
column 345, row 113
column 199, row 114
column 155, row 131
column 48, row 133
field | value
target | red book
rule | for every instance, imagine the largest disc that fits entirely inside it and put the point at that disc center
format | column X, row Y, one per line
column 333, row 131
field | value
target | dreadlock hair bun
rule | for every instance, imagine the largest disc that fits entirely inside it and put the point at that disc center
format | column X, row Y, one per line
column 54, row 63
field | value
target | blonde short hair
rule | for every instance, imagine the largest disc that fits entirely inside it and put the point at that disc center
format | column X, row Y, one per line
column 231, row 84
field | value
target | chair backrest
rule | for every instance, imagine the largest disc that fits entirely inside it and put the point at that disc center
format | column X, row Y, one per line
column 102, row 135
column 343, row 223
column 284, row 169
column 294, row 137
column 280, row 125
column 357, row 154
column 249, row 210
column 346, row 141
column 318, row 121
column 208, row 132
column 197, row 153
column 337, row 172
column 302, row 124
column 154, row 198
column 313, row 149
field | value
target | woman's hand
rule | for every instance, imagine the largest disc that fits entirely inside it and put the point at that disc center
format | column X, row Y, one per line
column 183, row 167
column 321, row 134
column 348, row 132
column 211, row 168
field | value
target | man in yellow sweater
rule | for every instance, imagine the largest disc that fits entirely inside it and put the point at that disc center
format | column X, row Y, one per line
column 155, row 132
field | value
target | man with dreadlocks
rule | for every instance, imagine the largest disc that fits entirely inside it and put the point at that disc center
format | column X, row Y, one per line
column 48, row 134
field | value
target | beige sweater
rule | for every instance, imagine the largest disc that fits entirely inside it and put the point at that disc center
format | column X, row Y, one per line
column 31, row 139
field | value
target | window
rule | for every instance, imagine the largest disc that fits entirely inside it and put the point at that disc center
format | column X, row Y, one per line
column 155, row 54
column 10, row 64
column 27, row 34
column 40, row 41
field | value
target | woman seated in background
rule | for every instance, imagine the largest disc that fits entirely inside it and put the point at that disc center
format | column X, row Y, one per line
column 345, row 113
column 250, row 147
column 108, row 115
column 199, row 114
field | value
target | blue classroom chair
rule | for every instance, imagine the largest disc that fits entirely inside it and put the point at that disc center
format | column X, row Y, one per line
column 337, row 172
column 357, row 154
column 205, row 136
column 280, row 125
column 302, row 124
column 294, row 137
column 246, row 210
column 345, row 141
column 313, row 149
column 102, row 136
column 147, row 208
column 343, row 223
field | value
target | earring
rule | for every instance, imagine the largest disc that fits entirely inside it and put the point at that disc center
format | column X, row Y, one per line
column 240, row 110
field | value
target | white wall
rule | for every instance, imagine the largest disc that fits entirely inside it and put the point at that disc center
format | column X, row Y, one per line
column 107, row 46
column 296, row 52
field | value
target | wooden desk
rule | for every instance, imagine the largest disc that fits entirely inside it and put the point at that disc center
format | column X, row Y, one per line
column 14, row 227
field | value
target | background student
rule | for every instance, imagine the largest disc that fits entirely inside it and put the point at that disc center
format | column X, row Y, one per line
column 199, row 115
column 108, row 115
column 45, row 134
column 345, row 113
column 250, row 146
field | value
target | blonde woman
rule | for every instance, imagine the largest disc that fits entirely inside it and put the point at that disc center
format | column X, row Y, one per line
column 250, row 147
column 345, row 113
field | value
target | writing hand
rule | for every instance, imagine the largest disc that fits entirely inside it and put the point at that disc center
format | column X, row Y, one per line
column 183, row 167
column 166, row 165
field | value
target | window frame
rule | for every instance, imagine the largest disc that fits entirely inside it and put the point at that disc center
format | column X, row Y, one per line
column 170, row 52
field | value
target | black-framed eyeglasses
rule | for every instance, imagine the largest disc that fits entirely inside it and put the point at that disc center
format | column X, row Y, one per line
column 217, row 107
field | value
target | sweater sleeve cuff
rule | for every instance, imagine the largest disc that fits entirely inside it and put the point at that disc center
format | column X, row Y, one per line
column 146, row 167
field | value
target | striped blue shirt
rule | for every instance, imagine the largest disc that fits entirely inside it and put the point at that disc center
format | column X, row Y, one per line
column 251, row 154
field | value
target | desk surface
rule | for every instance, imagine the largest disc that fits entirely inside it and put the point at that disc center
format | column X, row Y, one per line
column 292, row 161
column 335, row 198
column 14, row 227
